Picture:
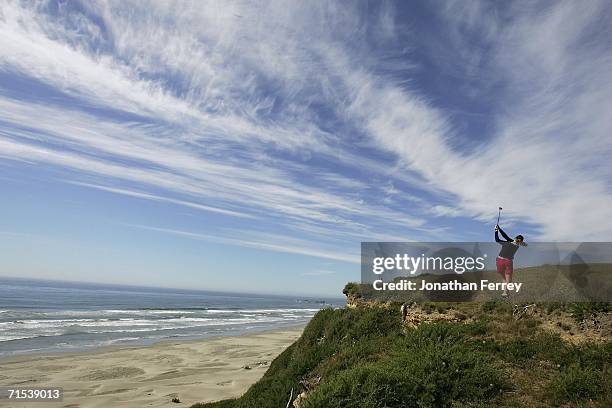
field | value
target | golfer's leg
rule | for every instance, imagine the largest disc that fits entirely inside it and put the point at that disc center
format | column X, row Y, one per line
column 507, row 276
column 509, row 271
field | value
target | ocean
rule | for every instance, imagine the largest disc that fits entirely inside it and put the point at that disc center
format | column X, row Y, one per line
column 39, row 316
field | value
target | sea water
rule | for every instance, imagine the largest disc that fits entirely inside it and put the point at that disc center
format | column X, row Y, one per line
column 51, row 316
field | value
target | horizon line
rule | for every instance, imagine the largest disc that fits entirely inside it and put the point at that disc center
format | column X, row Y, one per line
column 214, row 292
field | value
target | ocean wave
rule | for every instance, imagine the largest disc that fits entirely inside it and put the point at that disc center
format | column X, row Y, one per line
column 28, row 329
column 178, row 322
column 5, row 338
column 9, row 315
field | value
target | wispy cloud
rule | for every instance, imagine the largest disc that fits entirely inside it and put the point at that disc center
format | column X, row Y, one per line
column 319, row 120
column 260, row 242
column 162, row 199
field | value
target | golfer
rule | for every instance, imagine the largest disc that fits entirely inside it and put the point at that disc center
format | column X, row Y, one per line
column 506, row 255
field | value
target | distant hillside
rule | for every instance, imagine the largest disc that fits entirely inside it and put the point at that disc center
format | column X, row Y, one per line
column 462, row 354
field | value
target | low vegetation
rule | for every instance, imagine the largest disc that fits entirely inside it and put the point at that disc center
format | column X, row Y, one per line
column 365, row 357
column 352, row 290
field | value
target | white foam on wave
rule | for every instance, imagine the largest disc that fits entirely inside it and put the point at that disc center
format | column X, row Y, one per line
column 213, row 311
column 16, row 337
column 33, row 328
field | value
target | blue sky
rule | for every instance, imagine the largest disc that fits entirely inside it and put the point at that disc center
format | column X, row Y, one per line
column 251, row 146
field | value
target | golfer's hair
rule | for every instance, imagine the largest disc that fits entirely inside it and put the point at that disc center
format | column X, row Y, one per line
column 519, row 237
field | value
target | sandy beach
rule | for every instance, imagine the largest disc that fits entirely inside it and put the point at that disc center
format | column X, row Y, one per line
column 193, row 371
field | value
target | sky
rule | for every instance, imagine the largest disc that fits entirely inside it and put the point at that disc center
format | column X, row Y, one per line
column 251, row 146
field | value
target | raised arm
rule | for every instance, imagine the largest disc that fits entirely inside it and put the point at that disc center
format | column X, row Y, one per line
column 506, row 237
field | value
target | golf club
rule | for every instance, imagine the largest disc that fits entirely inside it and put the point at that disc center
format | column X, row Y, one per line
column 498, row 214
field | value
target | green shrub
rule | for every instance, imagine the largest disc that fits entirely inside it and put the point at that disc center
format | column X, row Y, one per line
column 496, row 306
column 352, row 289
column 478, row 327
column 364, row 386
column 523, row 350
column 430, row 367
column 576, row 384
column 582, row 310
column 592, row 356
column 490, row 305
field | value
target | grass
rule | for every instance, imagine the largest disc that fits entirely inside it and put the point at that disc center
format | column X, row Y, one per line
column 576, row 384
column 364, row 357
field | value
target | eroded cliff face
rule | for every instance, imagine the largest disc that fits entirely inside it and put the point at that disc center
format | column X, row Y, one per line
column 356, row 301
column 572, row 326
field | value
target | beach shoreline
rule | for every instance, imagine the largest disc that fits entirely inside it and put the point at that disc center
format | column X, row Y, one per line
column 193, row 371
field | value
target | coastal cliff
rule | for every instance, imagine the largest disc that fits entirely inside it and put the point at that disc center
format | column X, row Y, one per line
column 442, row 355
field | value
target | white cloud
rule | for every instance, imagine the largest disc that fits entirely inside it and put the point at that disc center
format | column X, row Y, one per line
column 163, row 199
column 547, row 162
column 214, row 108
column 259, row 241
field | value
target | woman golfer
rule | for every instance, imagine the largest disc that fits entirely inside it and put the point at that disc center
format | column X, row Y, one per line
column 506, row 255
